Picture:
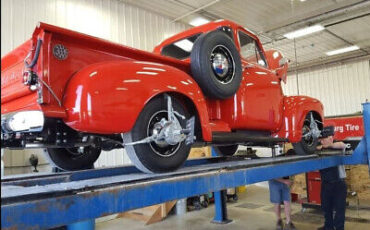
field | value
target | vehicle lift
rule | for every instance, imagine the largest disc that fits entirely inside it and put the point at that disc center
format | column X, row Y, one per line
column 75, row 199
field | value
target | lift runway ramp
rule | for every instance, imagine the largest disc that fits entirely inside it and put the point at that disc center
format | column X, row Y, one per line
column 43, row 201
column 29, row 187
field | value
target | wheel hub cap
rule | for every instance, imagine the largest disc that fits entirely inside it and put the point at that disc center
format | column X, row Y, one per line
column 168, row 134
column 220, row 65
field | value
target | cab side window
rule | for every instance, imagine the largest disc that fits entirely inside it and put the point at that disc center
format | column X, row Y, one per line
column 250, row 50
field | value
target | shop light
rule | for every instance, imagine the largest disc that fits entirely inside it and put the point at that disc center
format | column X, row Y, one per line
column 198, row 21
column 304, row 31
column 342, row 50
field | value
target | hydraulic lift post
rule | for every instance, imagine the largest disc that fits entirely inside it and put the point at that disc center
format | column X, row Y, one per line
column 220, row 208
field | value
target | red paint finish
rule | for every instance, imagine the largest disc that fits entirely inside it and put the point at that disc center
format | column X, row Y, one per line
column 12, row 67
column 103, row 86
column 346, row 126
column 295, row 110
column 107, row 97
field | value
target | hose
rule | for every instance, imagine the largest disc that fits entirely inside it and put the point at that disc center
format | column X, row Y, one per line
column 36, row 57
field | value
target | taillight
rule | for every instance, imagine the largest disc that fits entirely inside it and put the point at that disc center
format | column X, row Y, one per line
column 30, row 78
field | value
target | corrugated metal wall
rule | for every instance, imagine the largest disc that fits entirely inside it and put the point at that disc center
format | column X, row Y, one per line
column 341, row 88
column 108, row 19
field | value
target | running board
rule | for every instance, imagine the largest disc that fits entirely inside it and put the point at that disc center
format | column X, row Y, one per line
column 242, row 138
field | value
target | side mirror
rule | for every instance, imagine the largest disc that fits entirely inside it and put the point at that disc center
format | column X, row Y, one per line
column 277, row 63
column 283, row 61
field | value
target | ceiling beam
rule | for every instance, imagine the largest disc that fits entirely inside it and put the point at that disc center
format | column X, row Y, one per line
column 344, row 40
column 323, row 16
column 196, row 10
column 202, row 12
column 322, row 63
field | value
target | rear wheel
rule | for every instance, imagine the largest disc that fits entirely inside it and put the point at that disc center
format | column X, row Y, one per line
column 226, row 150
column 156, row 156
column 310, row 137
column 71, row 159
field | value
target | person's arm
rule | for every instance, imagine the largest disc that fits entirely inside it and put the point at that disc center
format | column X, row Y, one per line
column 338, row 145
column 334, row 145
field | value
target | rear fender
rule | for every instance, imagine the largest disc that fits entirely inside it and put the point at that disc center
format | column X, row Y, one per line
column 107, row 97
column 295, row 110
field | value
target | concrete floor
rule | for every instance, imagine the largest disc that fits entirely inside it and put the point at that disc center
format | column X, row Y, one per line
column 252, row 211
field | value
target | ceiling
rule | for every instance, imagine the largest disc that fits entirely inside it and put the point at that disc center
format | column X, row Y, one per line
column 346, row 22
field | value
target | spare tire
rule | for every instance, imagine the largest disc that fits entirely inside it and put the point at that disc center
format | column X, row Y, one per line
column 216, row 65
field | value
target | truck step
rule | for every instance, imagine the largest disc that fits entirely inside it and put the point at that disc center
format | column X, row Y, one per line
column 239, row 138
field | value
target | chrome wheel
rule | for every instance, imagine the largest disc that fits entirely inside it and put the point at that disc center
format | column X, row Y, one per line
column 310, row 130
column 307, row 137
column 223, row 65
column 161, row 146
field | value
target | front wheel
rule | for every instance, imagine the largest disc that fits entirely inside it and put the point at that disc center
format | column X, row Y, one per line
column 310, row 137
column 157, row 156
column 71, row 159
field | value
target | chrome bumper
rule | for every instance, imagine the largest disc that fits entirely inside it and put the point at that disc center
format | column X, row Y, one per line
column 24, row 121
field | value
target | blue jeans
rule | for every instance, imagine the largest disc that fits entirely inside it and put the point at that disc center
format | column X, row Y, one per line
column 279, row 192
column 333, row 198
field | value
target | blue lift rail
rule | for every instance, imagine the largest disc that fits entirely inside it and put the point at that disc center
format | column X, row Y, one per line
column 75, row 199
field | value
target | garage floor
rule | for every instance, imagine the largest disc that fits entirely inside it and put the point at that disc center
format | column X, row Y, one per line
column 252, row 211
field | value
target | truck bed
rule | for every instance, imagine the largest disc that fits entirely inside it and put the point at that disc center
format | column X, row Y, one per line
column 83, row 50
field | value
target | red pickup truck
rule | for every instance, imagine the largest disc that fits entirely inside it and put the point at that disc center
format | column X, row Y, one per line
column 77, row 95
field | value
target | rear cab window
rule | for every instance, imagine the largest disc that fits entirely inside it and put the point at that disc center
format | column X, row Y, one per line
column 181, row 49
column 250, row 50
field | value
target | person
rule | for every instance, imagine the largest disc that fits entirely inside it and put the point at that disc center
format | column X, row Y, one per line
column 333, row 186
column 280, row 194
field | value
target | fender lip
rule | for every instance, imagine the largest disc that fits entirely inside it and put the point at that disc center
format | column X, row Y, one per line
column 295, row 110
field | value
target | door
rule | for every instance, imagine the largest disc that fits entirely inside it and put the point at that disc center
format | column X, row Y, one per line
column 262, row 98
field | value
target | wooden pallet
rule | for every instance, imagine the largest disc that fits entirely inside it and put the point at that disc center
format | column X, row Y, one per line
column 151, row 214
column 156, row 213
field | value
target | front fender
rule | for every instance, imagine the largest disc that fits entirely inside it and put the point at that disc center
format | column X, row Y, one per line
column 295, row 110
column 107, row 97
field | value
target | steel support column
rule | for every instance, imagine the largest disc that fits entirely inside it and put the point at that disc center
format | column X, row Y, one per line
column 220, row 208
column 83, row 225
column 366, row 117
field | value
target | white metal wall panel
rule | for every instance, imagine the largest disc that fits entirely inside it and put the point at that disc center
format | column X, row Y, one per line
column 340, row 88
column 108, row 19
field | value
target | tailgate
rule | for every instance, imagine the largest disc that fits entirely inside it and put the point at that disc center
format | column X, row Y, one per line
column 15, row 95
